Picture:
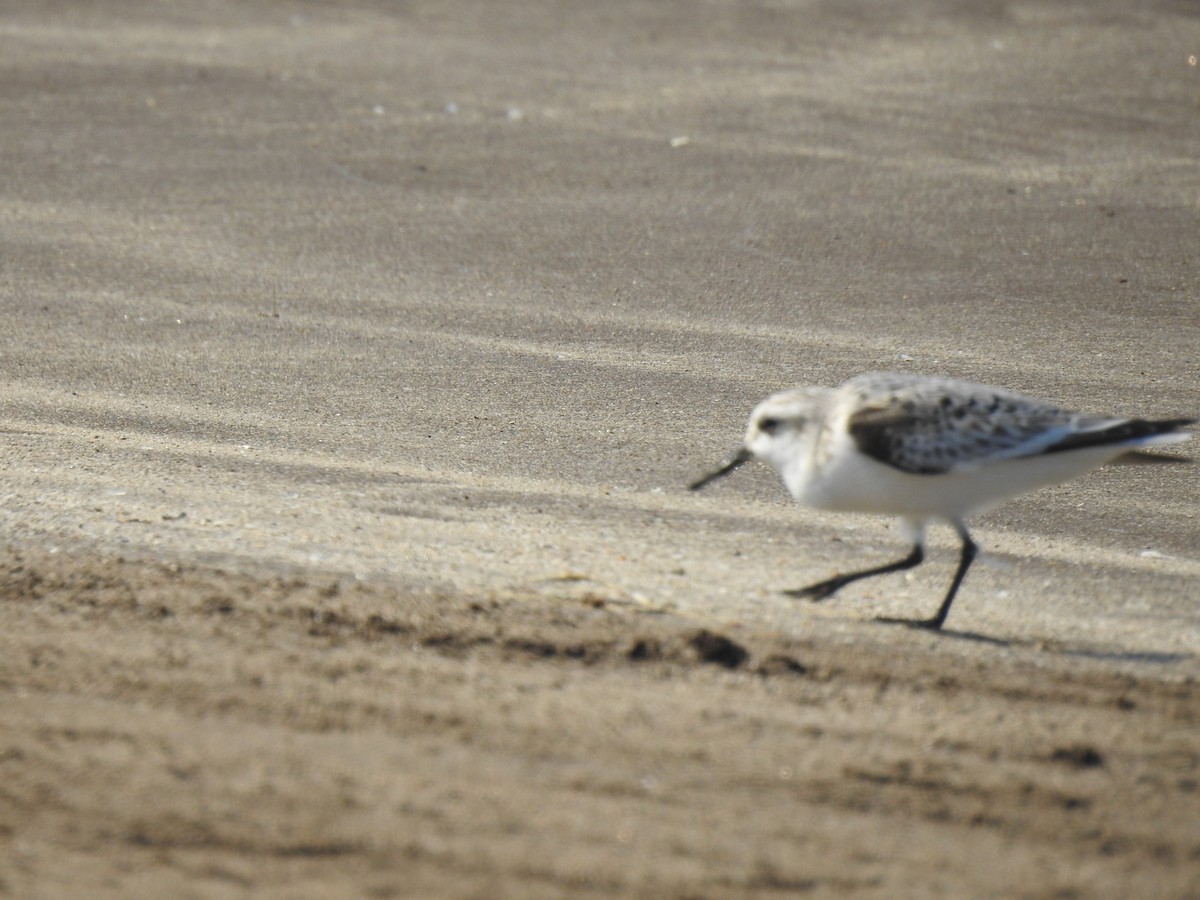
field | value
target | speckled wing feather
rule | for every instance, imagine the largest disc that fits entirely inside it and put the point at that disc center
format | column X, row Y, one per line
column 928, row 426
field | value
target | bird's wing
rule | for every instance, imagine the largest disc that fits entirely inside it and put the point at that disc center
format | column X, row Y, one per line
column 931, row 427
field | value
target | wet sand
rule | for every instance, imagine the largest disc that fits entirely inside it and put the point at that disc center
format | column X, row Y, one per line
column 356, row 357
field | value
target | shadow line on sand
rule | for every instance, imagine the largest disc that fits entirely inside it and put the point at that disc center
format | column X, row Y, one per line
column 1150, row 657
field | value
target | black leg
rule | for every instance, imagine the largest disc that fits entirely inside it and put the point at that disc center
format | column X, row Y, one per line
column 823, row 589
column 969, row 549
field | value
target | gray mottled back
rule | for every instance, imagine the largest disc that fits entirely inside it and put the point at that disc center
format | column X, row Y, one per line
column 928, row 426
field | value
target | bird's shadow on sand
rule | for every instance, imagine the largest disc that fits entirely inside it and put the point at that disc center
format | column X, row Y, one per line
column 1097, row 653
column 1139, row 656
column 918, row 628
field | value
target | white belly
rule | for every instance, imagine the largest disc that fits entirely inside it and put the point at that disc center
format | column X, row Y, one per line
column 851, row 482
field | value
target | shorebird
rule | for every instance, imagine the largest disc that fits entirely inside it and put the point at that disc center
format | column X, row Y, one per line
column 929, row 449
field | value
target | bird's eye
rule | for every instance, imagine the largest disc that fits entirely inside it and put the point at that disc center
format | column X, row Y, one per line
column 769, row 425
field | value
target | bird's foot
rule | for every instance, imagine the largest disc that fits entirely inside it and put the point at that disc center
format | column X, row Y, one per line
column 819, row 591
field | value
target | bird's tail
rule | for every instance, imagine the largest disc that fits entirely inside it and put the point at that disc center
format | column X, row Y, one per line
column 1136, row 433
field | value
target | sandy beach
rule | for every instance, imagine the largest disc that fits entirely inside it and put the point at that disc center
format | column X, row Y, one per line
column 356, row 358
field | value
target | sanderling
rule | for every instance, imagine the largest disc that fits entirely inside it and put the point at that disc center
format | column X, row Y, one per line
column 926, row 449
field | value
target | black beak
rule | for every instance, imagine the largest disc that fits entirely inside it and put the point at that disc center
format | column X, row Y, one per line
column 738, row 459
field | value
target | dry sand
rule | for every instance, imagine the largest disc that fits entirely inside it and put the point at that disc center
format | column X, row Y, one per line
column 355, row 357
